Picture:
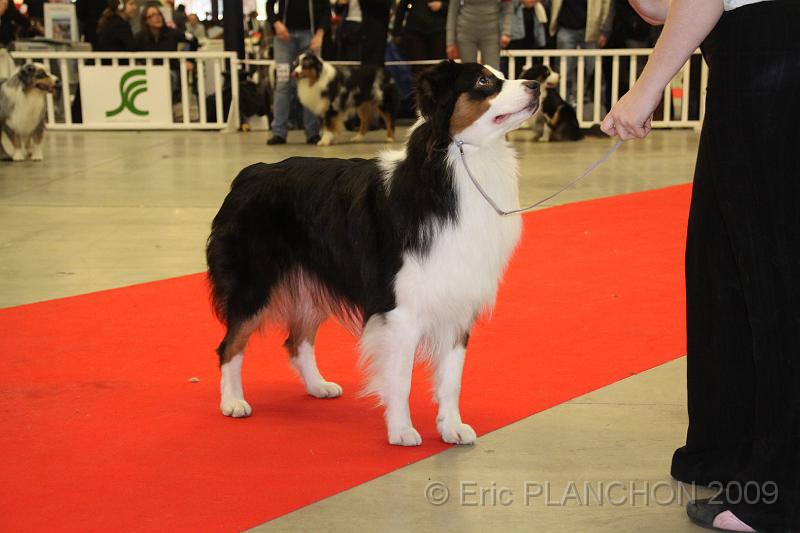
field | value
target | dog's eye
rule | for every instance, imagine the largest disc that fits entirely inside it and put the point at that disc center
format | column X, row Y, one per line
column 483, row 80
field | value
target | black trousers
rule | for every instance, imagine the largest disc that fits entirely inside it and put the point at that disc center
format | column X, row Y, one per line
column 743, row 269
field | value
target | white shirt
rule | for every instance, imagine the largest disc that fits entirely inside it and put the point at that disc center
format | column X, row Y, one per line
column 354, row 11
column 733, row 4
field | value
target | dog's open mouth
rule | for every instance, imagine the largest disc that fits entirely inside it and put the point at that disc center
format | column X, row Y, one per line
column 529, row 109
column 48, row 87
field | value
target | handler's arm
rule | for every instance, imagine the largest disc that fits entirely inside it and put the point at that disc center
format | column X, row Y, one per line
column 688, row 23
column 653, row 11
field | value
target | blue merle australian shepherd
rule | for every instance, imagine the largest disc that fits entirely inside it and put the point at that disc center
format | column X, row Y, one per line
column 335, row 95
column 402, row 248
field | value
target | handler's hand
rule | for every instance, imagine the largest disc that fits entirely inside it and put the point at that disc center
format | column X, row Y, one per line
column 632, row 115
column 452, row 52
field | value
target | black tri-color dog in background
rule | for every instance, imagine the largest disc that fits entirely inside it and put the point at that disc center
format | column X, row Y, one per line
column 402, row 248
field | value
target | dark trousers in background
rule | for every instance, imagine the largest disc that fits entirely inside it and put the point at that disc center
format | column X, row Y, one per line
column 418, row 46
column 743, row 268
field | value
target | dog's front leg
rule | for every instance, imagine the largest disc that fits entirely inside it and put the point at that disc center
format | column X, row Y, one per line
column 19, row 146
column 389, row 343
column 35, row 144
column 449, row 367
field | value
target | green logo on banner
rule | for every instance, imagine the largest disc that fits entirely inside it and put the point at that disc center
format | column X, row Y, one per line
column 131, row 84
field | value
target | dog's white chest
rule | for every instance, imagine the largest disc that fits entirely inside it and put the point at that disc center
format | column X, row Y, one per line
column 27, row 111
column 459, row 276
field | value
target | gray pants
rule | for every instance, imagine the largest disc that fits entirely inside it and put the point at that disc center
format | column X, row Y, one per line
column 286, row 87
column 471, row 39
column 567, row 39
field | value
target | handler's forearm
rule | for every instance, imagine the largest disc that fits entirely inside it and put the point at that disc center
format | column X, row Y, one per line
column 687, row 24
column 653, row 11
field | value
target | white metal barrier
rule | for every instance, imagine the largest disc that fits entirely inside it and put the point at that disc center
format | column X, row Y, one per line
column 199, row 75
column 683, row 102
column 680, row 96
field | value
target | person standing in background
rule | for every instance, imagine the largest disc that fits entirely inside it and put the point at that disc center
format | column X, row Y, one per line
column 114, row 32
column 88, row 13
column 420, row 26
column 298, row 25
column 580, row 24
column 528, row 30
column 478, row 25
column 348, row 34
column 375, row 30
column 11, row 21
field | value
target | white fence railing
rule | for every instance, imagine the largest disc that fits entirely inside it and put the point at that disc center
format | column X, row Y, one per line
column 195, row 76
column 200, row 75
column 683, row 106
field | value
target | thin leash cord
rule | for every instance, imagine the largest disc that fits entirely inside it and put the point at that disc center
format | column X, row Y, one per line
column 503, row 213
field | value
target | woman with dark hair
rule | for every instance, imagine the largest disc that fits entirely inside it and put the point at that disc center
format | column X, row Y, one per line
column 114, row 33
column 156, row 35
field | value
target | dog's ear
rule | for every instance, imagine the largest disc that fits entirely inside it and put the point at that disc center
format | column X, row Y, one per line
column 435, row 88
column 436, row 100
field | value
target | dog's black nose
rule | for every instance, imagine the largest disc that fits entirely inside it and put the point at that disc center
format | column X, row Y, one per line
column 532, row 85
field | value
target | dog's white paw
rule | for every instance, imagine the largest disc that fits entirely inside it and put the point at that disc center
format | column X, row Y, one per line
column 457, row 433
column 235, row 408
column 357, row 138
column 324, row 142
column 37, row 156
column 390, row 140
column 325, row 389
column 404, row 436
column 18, row 155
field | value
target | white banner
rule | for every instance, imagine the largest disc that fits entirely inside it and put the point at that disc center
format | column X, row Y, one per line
column 133, row 94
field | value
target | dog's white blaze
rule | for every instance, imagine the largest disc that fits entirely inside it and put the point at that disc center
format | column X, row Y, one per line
column 306, row 365
column 232, row 402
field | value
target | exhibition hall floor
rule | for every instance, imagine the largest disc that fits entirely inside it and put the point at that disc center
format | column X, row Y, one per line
column 113, row 210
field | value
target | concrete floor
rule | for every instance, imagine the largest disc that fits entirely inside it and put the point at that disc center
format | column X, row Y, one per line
column 112, row 209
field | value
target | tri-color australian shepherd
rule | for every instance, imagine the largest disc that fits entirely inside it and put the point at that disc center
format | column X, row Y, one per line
column 335, row 95
column 23, row 108
column 401, row 248
column 556, row 120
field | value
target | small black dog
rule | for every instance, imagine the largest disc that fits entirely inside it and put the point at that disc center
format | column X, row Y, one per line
column 557, row 120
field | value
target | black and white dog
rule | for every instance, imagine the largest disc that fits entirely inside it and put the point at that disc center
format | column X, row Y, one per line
column 402, row 248
column 23, row 108
column 556, row 120
column 335, row 95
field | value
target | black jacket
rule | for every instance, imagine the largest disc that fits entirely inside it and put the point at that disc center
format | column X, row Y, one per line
column 10, row 22
column 414, row 16
column 295, row 13
column 117, row 36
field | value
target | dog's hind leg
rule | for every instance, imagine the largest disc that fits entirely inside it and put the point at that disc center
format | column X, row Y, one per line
column 449, row 366
column 300, row 345
column 388, row 345
column 35, row 144
column 231, row 356
column 19, row 146
column 389, row 122
column 364, row 111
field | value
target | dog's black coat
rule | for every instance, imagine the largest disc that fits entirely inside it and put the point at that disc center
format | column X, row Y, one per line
column 338, row 220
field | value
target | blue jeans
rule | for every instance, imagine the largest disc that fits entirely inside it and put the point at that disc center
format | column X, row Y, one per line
column 567, row 39
column 286, row 87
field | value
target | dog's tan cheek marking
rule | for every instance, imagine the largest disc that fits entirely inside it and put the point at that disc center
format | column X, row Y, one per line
column 466, row 112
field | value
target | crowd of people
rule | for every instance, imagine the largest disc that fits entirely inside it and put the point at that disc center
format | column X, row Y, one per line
column 367, row 31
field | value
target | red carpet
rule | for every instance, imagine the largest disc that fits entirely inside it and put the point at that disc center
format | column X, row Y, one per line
column 101, row 429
